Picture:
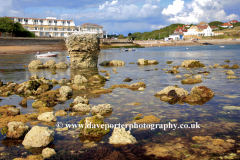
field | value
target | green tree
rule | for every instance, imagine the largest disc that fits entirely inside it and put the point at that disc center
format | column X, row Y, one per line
column 120, row 36
column 129, row 34
column 215, row 23
column 6, row 25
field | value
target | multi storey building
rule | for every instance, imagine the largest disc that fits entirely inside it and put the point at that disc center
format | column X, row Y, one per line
column 53, row 27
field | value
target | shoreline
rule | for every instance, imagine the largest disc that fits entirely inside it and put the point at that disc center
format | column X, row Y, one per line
column 9, row 50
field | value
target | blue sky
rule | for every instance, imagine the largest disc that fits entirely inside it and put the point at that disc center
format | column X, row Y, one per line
column 125, row 16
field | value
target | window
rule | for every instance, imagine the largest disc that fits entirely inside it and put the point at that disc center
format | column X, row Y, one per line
column 12, row 19
column 69, row 29
column 64, row 29
column 55, row 21
column 41, row 28
column 35, row 20
column 41, row 33
column 46, row 33
column 35, row 28
column 41, row 21
column 56, row 34
column 50, row 21
column 88, row 29
column 55, row 29
column 68, row 22
column 63, row 22
column 25, row 27
column 50, row 28
column 62, row 34
column 19, row 20
column 25, row 20
column 69, row 34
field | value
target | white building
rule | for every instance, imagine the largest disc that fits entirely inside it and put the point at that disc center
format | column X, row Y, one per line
column 53, row 27
column 199, row 31
column 174, row 36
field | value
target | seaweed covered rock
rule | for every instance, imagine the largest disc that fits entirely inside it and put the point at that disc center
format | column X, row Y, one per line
column 122, row 137
column 34, row 77
column 146, row 62
column 50, row 64
column 192, row 98
column 173, row 71
column 47, row 117
column 47, row 99
column 148, row 119
column 16, row 129
column 92, row 127
column 61, row 65
column 192, row 64
column 78, row 79
column 191, row 81
column 104, row 63
column 97, row 79
column 137, row 85
column 36, row 64
column 102, row 109
column 202, row 91
column 38, row 137
column 13, row 111
column 64, row 81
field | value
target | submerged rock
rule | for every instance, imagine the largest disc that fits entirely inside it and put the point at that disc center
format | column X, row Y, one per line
column 38, row 137
column 127, row 80
column 122, row 137
column 173, row 71
column 232, row 77
column 148, row 119
column 97, row 79
column 61, row 113
column 116, row 63
column 82, row 107
column 180, row 91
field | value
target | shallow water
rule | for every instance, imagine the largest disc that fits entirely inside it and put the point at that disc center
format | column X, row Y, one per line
column 211, row 114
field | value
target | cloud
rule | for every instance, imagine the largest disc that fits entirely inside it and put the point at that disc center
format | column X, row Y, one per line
column 197, row 11
column 174, row 9
column 106, row 4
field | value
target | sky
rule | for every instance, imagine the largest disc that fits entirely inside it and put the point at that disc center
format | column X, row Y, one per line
column 125, row 16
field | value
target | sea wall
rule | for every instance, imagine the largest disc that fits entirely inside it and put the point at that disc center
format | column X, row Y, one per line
column 20, row 41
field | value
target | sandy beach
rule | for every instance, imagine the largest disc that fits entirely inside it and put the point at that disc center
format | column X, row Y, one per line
column 145, row 43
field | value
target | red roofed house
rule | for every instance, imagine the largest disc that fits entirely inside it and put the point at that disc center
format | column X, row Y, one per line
column 227, row 25
column 180, row 29
column 214, row 27
column 233, row 21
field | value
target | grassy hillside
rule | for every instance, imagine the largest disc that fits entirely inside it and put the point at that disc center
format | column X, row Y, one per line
column 156, row 34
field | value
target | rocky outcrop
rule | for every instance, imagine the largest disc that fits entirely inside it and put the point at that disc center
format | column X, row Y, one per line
column 35, row 64
column 121, row 136
column 191, row 64
column 50, row 64
column 78, row 79
column 80, row 99
column 13, row 111
column 97, row 79
column 180, row 91
column 82, row 107
column 202, row 91
column 38, row 137
column 102, row 109
column 48, row 152
column 16, row 129
column 47, row 117
column 191, row 81
column 173, row 71
column 146, row 62
column 112, row 63
column 61, row 113
column 65, row 91
column 83, row 50
column 61, row 65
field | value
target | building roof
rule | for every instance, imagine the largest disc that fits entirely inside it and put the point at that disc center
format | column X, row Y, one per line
column 233, row 21
column 202, row 27
column 90, row 25
column 180, row 29
column 226, row 24
column 41, row 19
column 203, row 24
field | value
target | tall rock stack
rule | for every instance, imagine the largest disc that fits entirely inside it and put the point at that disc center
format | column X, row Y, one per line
column 83, row 50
